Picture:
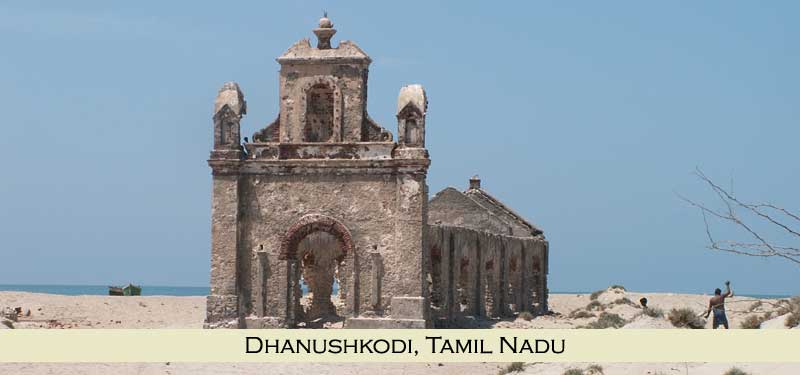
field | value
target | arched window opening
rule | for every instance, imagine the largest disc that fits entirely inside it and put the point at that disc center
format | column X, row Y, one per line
column 413, row 136
column 321, row 257
column 319, row 114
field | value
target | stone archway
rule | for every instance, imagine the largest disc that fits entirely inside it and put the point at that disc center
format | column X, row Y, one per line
column 316, row 248
column 314, row 223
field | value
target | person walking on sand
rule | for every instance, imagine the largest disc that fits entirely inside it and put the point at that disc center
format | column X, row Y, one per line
column 717, row 305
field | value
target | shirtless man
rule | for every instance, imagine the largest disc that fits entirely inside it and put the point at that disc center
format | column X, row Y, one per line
column 717, row 305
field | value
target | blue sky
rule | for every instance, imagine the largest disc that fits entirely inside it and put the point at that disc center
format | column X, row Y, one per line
column 587, row 118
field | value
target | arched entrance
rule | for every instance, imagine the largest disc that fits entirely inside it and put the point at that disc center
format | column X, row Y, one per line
column 316, row 248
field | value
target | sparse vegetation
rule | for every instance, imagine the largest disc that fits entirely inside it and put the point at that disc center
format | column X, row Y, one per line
column 784, row 306
column 607, row 320
column 591, row 370
column 653, row 312
column 685, row 318
column 617, row 286
column 791, row 307
column 754, row 306
column 596, row 294
column 595, row 305
column 580, row 314
column 735, row 371
column 594, row 370
column 751, row 322
column 7, row 323
column 793, row 320
column 624, row 301
column 526, row 315
column 512, row 368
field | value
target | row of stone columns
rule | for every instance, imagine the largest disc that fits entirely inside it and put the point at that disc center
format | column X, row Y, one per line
column 482, row 274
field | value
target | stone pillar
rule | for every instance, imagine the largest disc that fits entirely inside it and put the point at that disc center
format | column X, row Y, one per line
column 449, row 281
column 263, row 280
column 543, row 300
column 434, row 235
column 518, row 276
column 493, row 307
column 353, row 284
column 526, row 252
column 222, row 309
column 293, row 307
column 407, row 263
column 479, row 300
column 504, row 280
column 223, row 303
column 375, row 282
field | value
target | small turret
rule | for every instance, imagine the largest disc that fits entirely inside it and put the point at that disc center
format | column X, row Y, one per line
column 229, row 107
column 412, row 104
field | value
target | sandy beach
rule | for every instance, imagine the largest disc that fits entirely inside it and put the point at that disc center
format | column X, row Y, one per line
column 86, row 312
column 59, row 311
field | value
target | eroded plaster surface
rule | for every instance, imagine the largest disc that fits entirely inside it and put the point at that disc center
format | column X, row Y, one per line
column 323, row 217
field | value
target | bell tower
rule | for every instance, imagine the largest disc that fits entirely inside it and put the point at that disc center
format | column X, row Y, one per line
column 321, row 195
column 324, row 93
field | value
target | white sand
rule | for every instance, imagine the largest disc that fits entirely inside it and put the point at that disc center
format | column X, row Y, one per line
column 55, row 311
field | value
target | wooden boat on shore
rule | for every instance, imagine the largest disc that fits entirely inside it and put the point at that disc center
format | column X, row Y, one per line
column 129, row 290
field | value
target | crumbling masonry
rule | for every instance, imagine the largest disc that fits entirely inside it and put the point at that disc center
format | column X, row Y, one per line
column 323, row 197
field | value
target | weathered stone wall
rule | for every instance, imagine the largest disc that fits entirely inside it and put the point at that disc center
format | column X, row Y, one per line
column 298, row 81
column 277, row 202
column 481, row 274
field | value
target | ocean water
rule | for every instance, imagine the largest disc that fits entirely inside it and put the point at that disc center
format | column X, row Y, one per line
column 102, row 290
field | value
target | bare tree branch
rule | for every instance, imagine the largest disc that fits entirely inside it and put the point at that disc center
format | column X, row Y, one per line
column 761, row 247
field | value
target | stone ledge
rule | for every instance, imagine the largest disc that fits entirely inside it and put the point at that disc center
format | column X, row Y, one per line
column 385, row 323
column 320, row 151
column 266, row 322
column 230, row 324
column 406, row 153
column 408, row 308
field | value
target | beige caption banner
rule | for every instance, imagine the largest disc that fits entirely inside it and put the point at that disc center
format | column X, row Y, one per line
column 489, row 345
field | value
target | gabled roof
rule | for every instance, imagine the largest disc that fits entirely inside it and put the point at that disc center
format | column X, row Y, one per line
column 477, row 209
column 484, row 199
column 303, row 53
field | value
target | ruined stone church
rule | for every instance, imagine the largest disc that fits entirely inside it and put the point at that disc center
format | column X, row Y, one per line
column 323, row 217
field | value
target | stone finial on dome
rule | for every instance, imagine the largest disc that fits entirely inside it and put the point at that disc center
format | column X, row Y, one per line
column 324, row 32
column 325, row 22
